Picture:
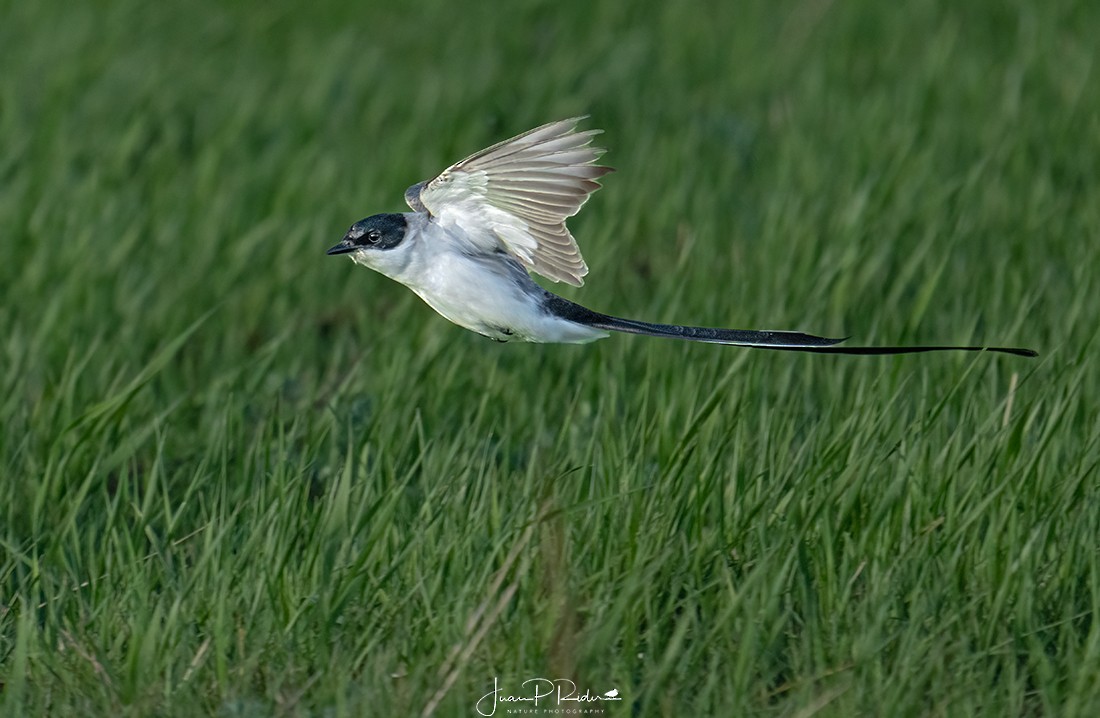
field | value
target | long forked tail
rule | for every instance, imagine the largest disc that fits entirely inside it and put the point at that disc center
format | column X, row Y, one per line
column 775, row 340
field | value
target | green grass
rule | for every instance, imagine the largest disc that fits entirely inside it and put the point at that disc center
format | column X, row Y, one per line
column 241, row 478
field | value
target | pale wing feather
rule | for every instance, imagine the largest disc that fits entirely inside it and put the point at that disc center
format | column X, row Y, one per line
column 518, row 194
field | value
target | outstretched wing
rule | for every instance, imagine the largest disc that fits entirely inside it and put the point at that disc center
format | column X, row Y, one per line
column 516, row 196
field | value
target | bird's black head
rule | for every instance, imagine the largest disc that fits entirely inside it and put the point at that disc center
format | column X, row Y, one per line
column 380, row 231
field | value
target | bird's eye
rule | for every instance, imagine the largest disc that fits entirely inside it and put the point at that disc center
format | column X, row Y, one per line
column 373, row 236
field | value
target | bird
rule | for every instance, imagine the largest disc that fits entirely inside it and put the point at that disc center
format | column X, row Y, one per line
column 479, row 229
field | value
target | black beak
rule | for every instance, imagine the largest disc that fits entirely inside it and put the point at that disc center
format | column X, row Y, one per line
column 344, row 247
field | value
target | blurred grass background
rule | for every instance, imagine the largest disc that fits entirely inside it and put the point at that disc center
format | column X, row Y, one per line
column 245, row 479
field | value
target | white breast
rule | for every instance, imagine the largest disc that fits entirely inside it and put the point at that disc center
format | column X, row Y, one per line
column 489, row 296
column 486, row 293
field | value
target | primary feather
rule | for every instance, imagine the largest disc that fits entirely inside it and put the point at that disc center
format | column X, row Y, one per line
column 518, row 194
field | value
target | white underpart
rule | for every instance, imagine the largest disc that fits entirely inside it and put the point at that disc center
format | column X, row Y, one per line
column 482, row 292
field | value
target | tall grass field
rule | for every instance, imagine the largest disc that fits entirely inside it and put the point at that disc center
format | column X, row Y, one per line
column 241, row 478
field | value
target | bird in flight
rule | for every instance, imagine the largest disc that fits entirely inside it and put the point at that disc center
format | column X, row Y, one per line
column 478, row 229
